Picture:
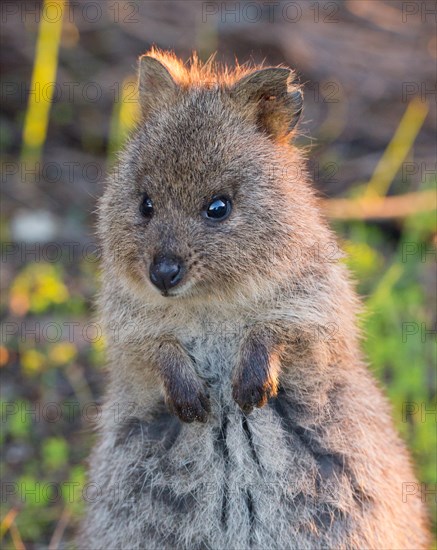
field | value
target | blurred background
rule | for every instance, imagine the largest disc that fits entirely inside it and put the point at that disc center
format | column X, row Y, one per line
column 69, row 101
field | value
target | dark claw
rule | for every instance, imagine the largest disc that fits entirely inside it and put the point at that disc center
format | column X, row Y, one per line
column 192, row 408
column 251, row 394
column 247, row 409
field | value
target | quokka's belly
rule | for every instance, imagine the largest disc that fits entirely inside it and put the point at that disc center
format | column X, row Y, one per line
column 237, row 482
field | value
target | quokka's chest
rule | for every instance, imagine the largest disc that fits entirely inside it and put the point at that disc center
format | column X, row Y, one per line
column 214, row 348
column 212, row 341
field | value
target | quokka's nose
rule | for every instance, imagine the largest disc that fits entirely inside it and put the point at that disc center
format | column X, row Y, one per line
column 166, row 272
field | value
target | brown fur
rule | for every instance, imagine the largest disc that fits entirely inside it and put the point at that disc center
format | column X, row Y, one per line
column 278, row 437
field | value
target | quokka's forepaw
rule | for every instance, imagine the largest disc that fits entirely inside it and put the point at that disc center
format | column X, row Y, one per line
column 190, row 406
column 253, row 393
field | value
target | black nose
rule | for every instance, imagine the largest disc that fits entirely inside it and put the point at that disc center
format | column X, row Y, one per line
column 166, row 272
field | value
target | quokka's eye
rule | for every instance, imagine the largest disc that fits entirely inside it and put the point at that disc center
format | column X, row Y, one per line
column 146, row 207
column 218, row 209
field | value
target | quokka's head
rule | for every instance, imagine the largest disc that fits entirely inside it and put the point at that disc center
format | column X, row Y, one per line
column 208, row 192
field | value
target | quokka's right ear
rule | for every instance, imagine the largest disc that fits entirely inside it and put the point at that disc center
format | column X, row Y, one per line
column 271, row 98
column 155, row 85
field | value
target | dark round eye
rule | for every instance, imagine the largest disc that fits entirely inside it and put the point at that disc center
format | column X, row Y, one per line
column 218, row 209
column 146, row 207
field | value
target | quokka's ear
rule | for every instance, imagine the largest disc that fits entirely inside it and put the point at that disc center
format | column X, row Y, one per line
column 271, row 98
column 155, row 85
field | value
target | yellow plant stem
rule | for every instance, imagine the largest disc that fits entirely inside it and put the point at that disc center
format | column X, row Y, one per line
column 365, row 208
column 398, row 148
column 43, row 79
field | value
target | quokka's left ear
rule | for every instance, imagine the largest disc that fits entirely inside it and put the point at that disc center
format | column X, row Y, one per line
column 271, row 98
column 155, row 84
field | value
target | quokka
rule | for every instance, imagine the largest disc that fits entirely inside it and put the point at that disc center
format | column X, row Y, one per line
column 240, row 413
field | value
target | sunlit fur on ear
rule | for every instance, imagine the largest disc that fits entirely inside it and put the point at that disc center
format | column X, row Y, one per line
column 198, row 74
column 269, row 97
